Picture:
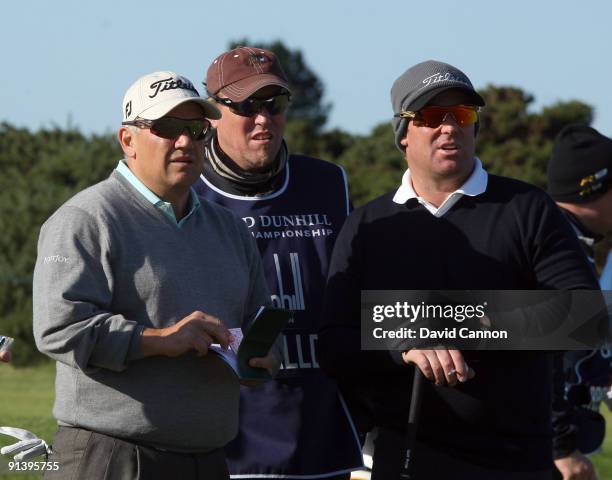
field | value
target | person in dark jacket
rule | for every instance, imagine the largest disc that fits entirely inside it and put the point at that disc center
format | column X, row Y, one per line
column 579, row 174
column 449, row 226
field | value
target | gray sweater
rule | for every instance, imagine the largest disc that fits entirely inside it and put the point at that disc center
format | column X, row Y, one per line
column 110, row 264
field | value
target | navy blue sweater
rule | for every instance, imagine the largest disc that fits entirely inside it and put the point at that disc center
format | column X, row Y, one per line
column 510, row 237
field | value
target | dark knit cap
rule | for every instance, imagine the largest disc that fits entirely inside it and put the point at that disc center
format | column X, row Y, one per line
column 414, row 88
column 579, row 170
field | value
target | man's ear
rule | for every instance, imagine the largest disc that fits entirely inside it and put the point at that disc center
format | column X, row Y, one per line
column 214, row 123
column 127, row 141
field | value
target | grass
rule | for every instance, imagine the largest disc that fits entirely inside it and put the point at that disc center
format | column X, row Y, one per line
column 26, row 400
column 603, row 460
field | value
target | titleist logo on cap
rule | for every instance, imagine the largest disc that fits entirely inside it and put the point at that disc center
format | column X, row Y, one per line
column 154, row 95
column 444, row 77
column 170, row 84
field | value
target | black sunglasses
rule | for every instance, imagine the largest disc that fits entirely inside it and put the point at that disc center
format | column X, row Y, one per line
column 171, row 127
column 251, row 106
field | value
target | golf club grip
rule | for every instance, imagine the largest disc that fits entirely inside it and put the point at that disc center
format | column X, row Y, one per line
column 415, row 399
column 413, row 420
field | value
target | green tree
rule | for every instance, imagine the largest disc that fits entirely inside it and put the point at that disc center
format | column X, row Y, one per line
column 516, row 142
column 373, row 164
column 40, row 171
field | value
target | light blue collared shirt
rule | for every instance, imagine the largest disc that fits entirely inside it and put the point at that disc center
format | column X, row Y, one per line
column 165, row 207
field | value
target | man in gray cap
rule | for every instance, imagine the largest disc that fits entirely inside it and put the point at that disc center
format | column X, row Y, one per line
column 449, row 226
column 128, row 315
column 579, row 180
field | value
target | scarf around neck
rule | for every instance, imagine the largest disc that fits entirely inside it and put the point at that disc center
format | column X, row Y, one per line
column 220, row 167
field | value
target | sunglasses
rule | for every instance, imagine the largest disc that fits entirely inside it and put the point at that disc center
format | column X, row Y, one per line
column 171, row 127
column 433, row 117
column 251, row 106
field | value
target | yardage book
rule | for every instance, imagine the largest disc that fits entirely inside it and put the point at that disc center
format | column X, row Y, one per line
column 259, row 338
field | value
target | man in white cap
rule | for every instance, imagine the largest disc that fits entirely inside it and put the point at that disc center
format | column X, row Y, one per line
column 121, row 305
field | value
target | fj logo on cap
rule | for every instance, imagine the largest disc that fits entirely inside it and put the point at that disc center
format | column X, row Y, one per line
column 128, row 109
column 169, row 84
column 446, row 77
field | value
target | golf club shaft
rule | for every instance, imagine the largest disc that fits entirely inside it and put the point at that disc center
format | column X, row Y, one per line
column 413, row 420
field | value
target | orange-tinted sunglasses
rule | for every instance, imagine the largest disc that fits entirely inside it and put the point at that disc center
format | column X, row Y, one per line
column 434, row 116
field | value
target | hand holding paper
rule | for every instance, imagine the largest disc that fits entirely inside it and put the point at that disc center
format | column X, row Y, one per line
column 251, row 358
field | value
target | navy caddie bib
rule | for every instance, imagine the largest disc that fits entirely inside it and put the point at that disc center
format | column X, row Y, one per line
column 298, row 424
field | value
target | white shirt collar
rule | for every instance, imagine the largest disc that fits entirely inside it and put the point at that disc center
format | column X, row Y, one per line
column 473, row 186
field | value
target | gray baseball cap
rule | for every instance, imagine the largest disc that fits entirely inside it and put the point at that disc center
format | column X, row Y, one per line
column 414, row 88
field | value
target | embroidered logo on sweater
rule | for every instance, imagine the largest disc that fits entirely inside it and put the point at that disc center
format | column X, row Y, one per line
column 56, row 259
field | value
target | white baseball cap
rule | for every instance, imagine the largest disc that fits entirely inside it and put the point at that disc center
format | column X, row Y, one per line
column 154, row 95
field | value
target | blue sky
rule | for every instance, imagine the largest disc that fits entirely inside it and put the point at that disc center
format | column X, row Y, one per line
column 70, row 62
